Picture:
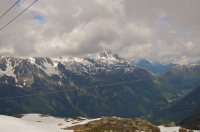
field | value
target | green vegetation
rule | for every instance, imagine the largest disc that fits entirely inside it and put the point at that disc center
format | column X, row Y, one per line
column 125, row 100
column 192, row 121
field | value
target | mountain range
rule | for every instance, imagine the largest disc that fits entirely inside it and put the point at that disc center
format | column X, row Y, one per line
column 92, row 87
column 84, row 85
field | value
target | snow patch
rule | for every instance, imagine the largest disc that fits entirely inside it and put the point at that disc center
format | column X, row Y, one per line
column 9, row 70
column 32, row 60
column 171, row 129
column 24, row 83
column 48, row 68
column 20, row 86
column 16, row 80
column 78, row 59
column 36, row 123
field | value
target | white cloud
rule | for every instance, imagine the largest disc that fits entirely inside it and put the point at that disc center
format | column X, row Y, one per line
column 158, row 30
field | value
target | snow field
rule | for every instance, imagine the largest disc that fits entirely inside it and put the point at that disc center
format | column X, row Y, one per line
column 36, row 123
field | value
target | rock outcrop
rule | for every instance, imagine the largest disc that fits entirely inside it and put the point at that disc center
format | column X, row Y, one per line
column 115, row 124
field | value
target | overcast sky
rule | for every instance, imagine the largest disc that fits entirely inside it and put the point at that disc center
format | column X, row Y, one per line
column 158, row 30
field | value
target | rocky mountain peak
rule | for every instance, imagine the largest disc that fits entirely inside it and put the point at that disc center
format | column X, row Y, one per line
column 106, row 54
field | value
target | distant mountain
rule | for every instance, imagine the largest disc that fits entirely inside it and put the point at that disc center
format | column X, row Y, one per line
column 156, row 68
column 79, row 86
column 191, row 81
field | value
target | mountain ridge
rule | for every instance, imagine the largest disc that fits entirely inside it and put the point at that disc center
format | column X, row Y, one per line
column 157, row 68
column 72, row 76
column 184, row 82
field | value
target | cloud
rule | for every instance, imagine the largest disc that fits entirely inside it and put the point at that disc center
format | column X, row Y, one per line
column 159, row 30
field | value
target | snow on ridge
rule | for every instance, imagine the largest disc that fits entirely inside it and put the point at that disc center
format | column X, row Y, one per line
column 103, row 58
column 194, row 64
column 79, row 66
column 31, row 59
column 64, row 59
column 86, row 62
column 49, row 68
column 106, row 55
column 9, row 69
column 78, row 59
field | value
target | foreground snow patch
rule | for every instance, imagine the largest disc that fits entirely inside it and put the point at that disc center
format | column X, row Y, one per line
column 170, row 129
column 36, row 123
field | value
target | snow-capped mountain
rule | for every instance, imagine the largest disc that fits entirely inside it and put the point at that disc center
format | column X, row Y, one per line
column 103, row 74
column 191, row 66
column 21, row 69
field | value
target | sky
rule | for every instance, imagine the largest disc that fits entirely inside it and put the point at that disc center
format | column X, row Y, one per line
column 158, row 30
